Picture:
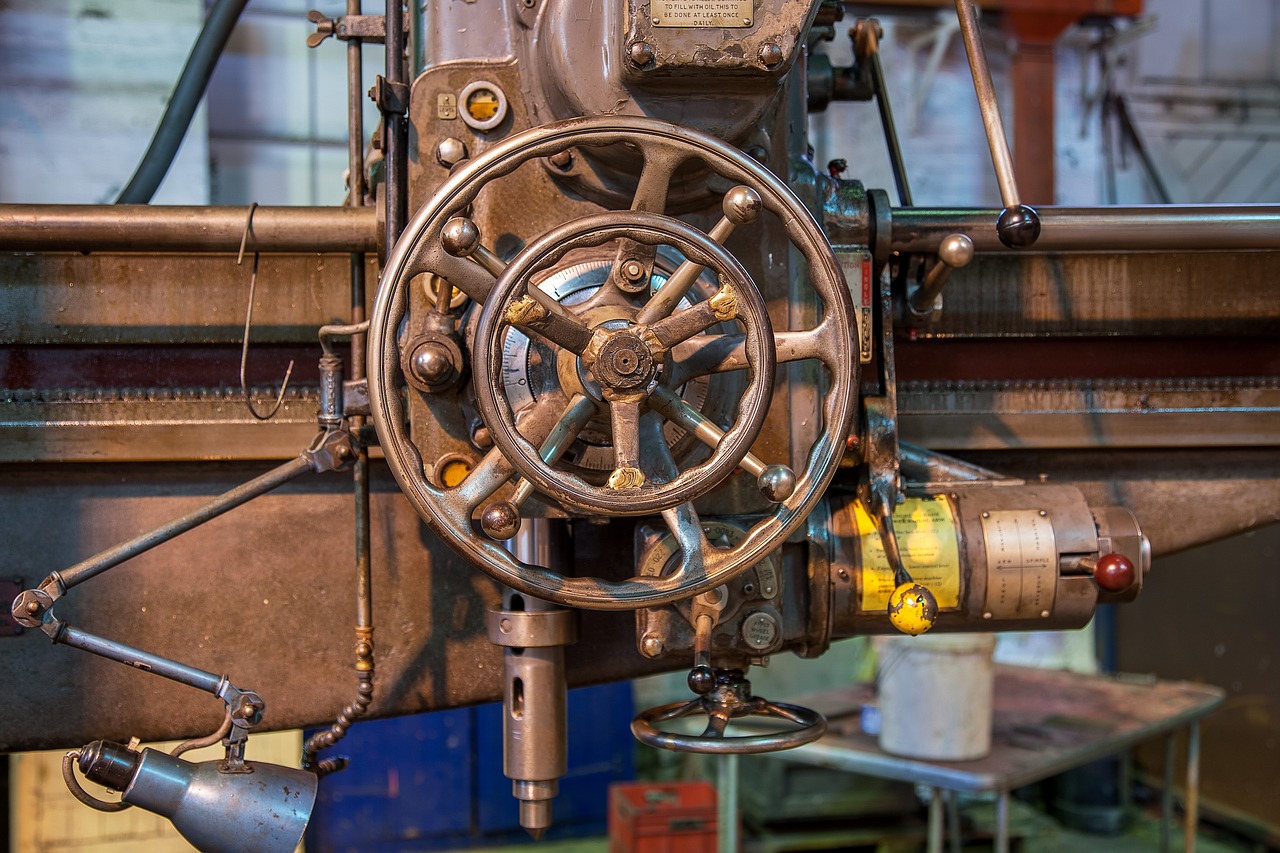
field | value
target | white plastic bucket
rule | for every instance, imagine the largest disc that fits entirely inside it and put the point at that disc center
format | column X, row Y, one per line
column 935, row 696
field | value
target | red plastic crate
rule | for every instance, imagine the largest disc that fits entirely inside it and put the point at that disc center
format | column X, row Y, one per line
column 653, row 817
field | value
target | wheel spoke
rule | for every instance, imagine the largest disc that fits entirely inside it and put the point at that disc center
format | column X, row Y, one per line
column 708, row 354
column 691, row 707
column 682, row 325
column 741, row 205
column 468, row 277
column 558, row 327
column 625, row 417
column 717, row 721
column 494, row 470
column 660, row 163
column 571, row 422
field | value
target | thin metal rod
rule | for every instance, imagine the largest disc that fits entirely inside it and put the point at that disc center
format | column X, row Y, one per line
column 1001, row 159
column 132, row 228
column 1193, row 788
column 95, row 565
column 137, row 658
column 1169, row 228
column 727, row 801
column 1002, row 822
column 934, row 842
column 1166, row 794
column 890, row 129
column 396, row 128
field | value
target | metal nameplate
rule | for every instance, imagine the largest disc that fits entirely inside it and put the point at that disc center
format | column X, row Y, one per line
column 1022, row 563
column 701, row 13
column 857, row 274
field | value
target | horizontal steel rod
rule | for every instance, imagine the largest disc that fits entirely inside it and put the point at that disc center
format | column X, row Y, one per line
column 147, row 661
column 149, row 228
column 95, row 565
column 1103, row 229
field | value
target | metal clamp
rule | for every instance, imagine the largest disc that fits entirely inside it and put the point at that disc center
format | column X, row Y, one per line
column 531, row 629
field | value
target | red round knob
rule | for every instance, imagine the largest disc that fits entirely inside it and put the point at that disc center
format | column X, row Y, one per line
column 1114, row 572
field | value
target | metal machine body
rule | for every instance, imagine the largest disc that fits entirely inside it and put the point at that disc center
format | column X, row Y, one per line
column 618, row 309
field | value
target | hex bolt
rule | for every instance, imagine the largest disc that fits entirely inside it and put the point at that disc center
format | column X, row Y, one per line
column 450, row 151
column 770, row 55
column 641, row 54
column 652, row 645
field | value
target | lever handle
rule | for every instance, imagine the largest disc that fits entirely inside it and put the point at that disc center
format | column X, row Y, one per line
column 1018, row 225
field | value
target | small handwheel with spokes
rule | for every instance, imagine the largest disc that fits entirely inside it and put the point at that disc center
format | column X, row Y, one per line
column 728, row 700
column 621, row 358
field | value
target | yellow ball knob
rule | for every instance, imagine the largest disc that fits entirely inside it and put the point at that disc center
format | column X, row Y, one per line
column 912, row 609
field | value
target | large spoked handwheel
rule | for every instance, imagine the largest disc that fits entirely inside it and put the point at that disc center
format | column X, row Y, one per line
column 621, row 359
column 730, row 699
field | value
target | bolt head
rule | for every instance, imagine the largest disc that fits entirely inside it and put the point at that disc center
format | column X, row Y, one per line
column 450, row 151
column 770, row 55
column 641, row 54
column 652, row 645
column 562, row 160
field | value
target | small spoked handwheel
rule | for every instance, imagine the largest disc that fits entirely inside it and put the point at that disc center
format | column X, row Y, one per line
column 626, row 363
column 730, row 699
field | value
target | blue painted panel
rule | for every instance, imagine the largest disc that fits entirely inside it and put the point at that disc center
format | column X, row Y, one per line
column 409, row 778
column 434, row 781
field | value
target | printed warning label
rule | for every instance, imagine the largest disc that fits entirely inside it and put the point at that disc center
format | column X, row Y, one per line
column 701, row 13
column 930, row 549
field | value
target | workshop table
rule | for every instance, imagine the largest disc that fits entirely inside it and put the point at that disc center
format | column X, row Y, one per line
column 1045, row 722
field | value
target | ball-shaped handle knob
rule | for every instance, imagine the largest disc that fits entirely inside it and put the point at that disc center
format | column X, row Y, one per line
column 1018, row 227
column 913, row 609
column 1114, row 572
column 500, row 520
column 702, row 680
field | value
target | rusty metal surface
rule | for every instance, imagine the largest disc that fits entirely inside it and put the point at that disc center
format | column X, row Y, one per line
column 1045, row 722
column 127, row 228
column 263, row 593
column 1183, row 496
column 152, row 424
column 1083, row 413
column 124, row 298
column 1175, row 293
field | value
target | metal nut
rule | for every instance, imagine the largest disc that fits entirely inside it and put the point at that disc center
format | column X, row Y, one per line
column 652, row 645
column 770, row 55
column 641, row 54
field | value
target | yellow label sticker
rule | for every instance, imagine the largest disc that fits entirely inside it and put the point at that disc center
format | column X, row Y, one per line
column 930, row 548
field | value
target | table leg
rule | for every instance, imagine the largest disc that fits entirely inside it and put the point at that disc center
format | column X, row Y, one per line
column 953, row 821
column 935, row 821
column 1166, row 794
column 1002, row 822
column 727, row 801
column 1193, row 787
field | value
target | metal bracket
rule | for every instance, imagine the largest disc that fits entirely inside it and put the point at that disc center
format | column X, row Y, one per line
column 370, row 29
column 390, row 97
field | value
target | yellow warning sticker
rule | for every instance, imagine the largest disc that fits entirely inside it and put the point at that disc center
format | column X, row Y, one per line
column 930, row 547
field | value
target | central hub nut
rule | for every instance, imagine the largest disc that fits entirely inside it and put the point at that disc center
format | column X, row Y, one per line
column 624, row 363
